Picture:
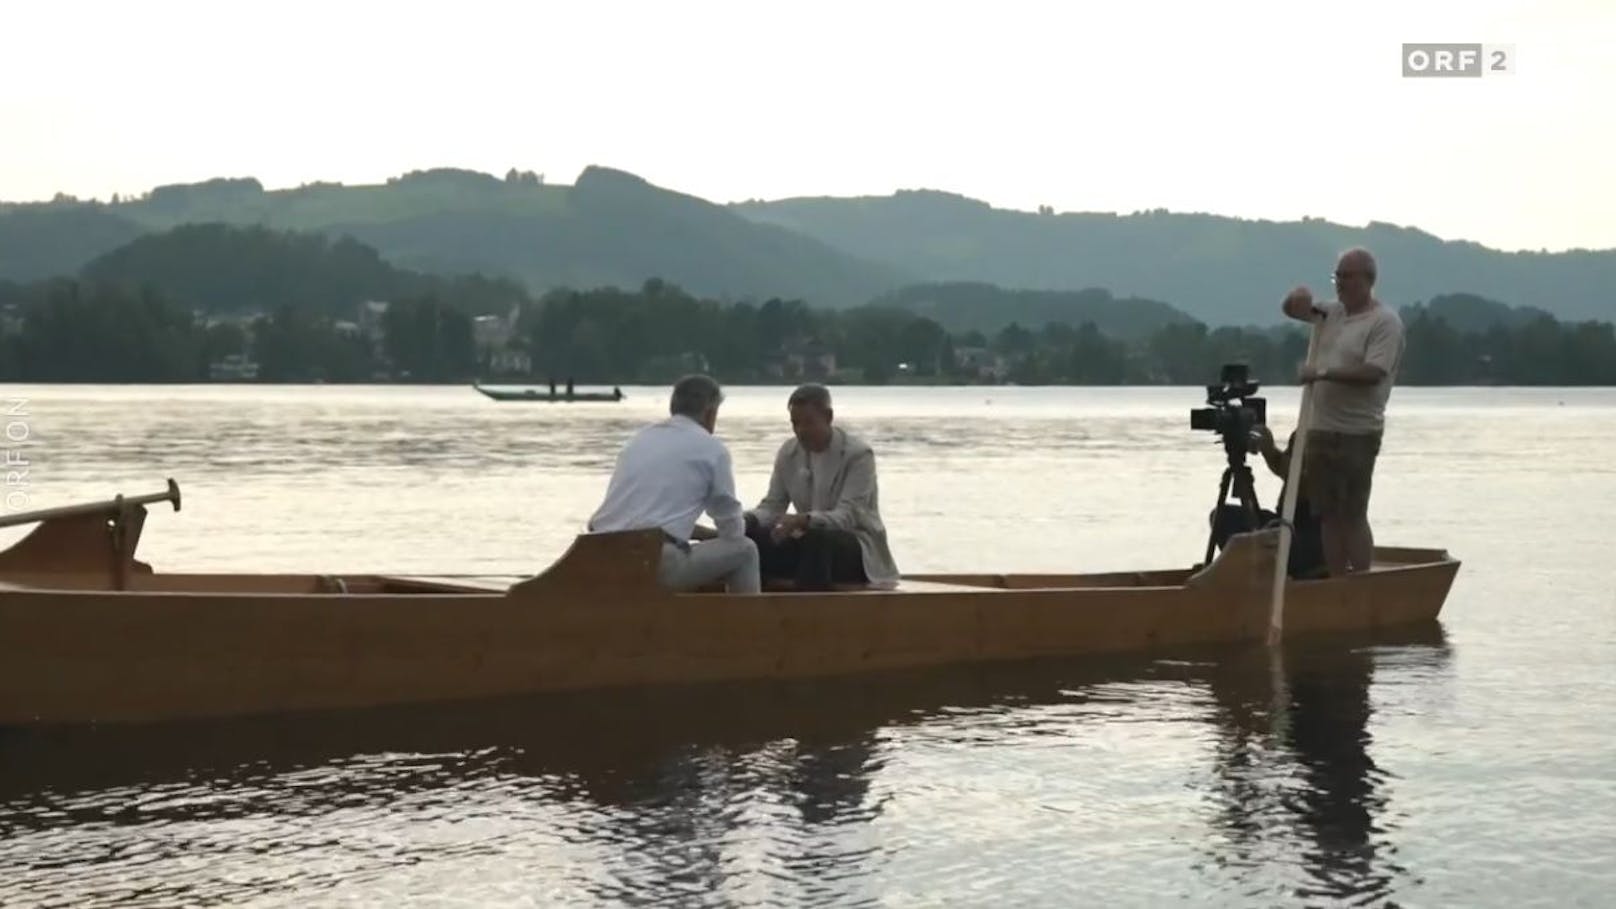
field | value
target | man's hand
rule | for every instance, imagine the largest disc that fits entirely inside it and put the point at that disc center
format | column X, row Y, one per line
column 1299, row 304
column 1309, row 374
column 792, row 525
column 703, row 533
column 1262, row 440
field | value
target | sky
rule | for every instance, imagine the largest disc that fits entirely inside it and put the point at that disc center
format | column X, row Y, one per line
column 1273, row 110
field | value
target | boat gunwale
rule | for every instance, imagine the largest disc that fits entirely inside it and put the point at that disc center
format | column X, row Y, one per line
column 512, row 592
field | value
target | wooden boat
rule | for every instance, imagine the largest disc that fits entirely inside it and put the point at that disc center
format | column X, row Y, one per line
column 549, row 395
column 89, row 634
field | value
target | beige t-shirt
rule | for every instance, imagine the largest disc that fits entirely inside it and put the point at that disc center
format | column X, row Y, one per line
column 1372, row 336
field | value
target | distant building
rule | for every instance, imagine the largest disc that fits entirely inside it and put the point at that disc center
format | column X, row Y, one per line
column 981, row 363
column 211, row 319
column 509, row 361
column 498, row 348
column 10, row 320
column 810, row 360
column 490, row 331
column 370, row 316
column 233, row 368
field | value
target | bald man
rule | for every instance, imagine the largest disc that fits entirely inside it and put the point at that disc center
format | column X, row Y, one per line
column 1360, row 349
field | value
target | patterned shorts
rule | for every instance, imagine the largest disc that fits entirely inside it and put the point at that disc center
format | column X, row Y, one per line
column 1337, row 472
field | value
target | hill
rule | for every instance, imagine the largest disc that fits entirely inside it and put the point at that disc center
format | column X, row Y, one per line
column 1220, row 270
column 220, row 268
column 609, row 227
column 1471, row 313
column 49, row 240
column 986, row 308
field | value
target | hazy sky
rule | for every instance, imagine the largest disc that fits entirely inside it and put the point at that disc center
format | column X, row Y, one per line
column 1257, row 109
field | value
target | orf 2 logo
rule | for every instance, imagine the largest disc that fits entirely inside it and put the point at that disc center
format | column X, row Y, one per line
column 1457, row 61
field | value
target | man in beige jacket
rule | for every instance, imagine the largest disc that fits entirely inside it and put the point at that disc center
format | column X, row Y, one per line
column 835, row 535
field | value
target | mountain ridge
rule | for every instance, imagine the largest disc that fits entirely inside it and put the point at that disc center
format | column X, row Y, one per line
column 612, row 227
column 1218, row 268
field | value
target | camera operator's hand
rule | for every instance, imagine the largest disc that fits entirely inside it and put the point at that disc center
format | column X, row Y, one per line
column 1262, row 440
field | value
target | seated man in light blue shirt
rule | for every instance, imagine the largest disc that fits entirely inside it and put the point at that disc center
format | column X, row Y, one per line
column 666, row 476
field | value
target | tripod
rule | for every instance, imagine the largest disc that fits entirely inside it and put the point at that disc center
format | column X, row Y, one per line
column 1238, row 476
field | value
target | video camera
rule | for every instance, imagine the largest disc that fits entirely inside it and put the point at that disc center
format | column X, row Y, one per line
column 1233, row 409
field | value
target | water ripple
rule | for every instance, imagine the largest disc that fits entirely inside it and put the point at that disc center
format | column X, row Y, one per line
column 1462, row 765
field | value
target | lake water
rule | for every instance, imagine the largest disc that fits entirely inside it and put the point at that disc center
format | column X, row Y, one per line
column 1468, row 765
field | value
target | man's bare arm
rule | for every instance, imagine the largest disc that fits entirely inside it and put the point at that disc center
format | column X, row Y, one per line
column 1362, row 374
column 1278, row 461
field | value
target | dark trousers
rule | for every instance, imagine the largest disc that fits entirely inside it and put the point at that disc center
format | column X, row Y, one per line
column 813, row 561
column 1307, row 543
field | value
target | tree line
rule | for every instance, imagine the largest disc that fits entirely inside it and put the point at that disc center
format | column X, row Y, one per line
column 84, row 330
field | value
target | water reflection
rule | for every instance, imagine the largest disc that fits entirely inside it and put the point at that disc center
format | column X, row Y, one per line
column 709, row 794
column 1295, row 772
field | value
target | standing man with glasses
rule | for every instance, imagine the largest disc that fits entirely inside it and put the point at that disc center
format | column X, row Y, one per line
column 1359, row 351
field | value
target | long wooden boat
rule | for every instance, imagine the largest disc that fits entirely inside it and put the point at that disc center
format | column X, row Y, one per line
column 90, row 634
column 549, row 395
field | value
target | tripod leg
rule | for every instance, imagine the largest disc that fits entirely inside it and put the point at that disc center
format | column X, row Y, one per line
column 1245, row 489
column 1212, row 535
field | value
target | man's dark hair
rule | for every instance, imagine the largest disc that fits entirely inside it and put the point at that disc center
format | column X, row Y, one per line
column 693, row 396
column 812, row 393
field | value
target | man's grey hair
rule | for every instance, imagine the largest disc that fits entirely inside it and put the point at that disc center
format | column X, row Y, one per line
column 693, row 396
column 812, row 393
column 1363, row 258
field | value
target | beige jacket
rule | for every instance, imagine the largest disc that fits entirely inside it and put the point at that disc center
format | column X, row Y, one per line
column 848, row 501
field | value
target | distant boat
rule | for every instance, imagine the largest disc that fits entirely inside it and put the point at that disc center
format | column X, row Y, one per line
column 550, row 395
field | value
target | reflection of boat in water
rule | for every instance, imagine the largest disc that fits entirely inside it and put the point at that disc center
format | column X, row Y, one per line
column 1294, row 759
column 615, row 737
column 1273, row 780
column 549, row 395
column 89, row 634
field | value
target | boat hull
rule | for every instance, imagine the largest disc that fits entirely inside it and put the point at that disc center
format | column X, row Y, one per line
column 185, row 646
column 548, row 397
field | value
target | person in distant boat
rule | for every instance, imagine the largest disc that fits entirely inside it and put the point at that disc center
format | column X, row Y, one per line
column 617, row 393
column 1307, row 548
column 835, row 535
column 666, row 476
column 1360, row 348
column 569, row 386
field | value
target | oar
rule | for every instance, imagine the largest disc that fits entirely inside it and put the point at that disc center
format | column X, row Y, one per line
column 108, row 507
column 1293, row 483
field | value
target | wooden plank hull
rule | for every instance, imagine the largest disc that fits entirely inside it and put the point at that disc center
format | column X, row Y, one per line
column 186, row 646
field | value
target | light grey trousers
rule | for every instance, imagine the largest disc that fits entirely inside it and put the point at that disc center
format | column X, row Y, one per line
column 735, row 562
